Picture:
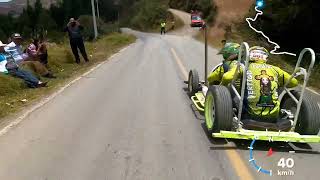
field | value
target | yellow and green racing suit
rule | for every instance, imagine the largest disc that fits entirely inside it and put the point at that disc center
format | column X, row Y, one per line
column 261, row 94
column 216, row 75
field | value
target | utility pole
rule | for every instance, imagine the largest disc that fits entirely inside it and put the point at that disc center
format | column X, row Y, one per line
column 98, row 12
column 94, row 20
column 206, row 53
column 116, row 3
column 187, row 4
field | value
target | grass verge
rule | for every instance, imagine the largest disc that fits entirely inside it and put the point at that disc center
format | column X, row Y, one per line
column 61, row 62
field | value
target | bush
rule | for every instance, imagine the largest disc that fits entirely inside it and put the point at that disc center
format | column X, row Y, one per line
column 2, row 36
column 147, row 14
column 103, row 28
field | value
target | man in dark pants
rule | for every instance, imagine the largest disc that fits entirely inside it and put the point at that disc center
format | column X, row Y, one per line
column 76, row 41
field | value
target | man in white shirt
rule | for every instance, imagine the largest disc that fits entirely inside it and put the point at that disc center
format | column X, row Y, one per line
column 15, row 49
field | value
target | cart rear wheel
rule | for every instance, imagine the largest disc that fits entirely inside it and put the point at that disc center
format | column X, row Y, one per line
column 218, row 109
column 308, row 120
column 193, row 82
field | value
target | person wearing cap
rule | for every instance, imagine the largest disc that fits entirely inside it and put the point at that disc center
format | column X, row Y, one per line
column 76, row 41
column 13, row 69
column 3, row 60
column 261, row 101
column 230, row 53
column 15, row 48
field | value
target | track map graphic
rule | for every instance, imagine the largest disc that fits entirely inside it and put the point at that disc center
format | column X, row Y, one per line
column 259, row 6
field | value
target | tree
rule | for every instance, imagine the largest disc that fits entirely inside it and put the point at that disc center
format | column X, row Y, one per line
column 58, row 14
column 2, row 35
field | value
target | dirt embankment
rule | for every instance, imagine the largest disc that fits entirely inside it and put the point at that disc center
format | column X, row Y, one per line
column 186, row 29
column 229, row 12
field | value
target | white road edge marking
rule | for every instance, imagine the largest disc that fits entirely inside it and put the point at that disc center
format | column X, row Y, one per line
column 52, row 96
column 180, row 64
column 313, row 91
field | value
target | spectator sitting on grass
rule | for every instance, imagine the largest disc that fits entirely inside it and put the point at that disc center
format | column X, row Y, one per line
column 13, row 69
column 42, row 52
column 15, row 49
column 37, row 50
column 3, row 63
column 32, row 49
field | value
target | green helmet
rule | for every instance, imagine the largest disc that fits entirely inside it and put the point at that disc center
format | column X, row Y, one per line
column 229, row 49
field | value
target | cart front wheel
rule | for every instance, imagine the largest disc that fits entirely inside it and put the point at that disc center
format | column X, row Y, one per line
column 193, row 82
column 218, row 109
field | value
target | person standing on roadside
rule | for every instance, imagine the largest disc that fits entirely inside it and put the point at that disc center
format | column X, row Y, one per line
column 76, row 41
column 173, row 24
column 163, row 27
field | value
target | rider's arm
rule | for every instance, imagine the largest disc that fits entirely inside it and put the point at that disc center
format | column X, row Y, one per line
column 228, row 76
column 215, row 76
column 284, row 78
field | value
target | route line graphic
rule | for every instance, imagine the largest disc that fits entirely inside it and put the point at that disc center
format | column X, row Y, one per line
column 259, row 13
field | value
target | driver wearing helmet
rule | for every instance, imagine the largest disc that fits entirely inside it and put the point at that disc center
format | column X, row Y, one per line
column 263, row 81
column 230, row 53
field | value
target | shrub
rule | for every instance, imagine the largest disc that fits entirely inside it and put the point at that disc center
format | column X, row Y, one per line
column 147, row 14
column 103, row 28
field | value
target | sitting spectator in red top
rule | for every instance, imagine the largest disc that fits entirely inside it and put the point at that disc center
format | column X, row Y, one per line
column 43, row 52
column 32, row 49
column 37, row 50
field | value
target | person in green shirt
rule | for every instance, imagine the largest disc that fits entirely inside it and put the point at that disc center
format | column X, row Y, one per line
column 163, row 27
column 261, row 100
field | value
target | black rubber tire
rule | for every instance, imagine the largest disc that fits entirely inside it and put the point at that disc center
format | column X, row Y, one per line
column 193, row 82
column 218, row 109
column 309, row 116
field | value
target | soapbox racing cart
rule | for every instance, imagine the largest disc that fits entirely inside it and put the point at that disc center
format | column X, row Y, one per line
column 223, row 107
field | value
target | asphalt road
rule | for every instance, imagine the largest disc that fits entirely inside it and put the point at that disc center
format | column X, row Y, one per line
column 132, row 119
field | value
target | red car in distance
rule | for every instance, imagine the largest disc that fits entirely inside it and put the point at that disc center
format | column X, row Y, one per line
column 196, row 20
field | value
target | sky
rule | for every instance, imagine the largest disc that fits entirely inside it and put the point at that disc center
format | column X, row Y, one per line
column 5, row 0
